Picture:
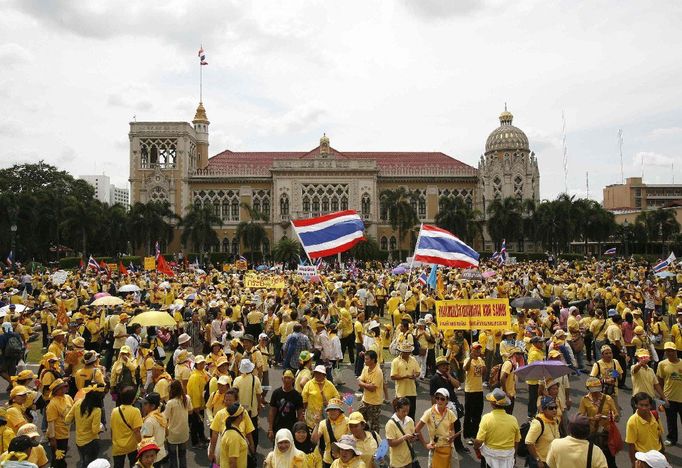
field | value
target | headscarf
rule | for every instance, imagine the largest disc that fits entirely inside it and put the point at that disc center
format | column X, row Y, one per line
column 306, row 446
column 285, row 459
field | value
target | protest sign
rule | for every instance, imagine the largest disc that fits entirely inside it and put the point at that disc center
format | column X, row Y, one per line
column 267, row 282
column 307, row 271
column 149, row 263
column 473, row 314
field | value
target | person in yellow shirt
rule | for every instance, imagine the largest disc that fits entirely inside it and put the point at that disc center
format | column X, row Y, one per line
column 57, row 428
column 234, row 449
column 474, row 368
column 38, row 456
column 316, row 394
column 660, row 334
column 6, row 432
column 599, row 408
column 87, row 414
column 498, row 433
column 572, row 451
column 676, row 331
column 161, row 381
column 58, row 343
column 668, row 373
column 16, row 416
column 440, row 424
column 305, row 370
column 643, row 431
column 543, row 430
column 126, row 422
column 404, row 372
column 123, row 372
column 535, row 353
column 371, row 381
column 508, row 377
column 338, row 423
column 196, row 385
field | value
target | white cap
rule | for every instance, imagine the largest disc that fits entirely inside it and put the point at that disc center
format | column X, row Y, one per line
column 224, row 380
column 321, row 369
column 444, row 392
column 184, row 338
column 653, row 458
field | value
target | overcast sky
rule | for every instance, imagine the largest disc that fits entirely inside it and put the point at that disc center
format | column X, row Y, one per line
column 423, row 75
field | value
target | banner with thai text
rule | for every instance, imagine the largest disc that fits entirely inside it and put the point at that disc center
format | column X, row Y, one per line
column 149, row 263
column 473, row 314
column 307, row 271
column 267, row 282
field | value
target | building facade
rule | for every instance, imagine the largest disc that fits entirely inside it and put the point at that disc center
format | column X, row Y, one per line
column 105, row 192
column 169, row 162
column 634, row 194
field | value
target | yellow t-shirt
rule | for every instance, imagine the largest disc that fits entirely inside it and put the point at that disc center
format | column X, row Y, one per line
column 357, row 326
column 218, row 423
column 439, row 425
column 676, row 336
column 304, row 373
column 122, row 437
column 195, row 388
column 249, row 392
column 38, row 456
column 499, row 430
column 313, row 397
column 671, row 373
column 542, row 442
column 400, row 454
column 660, row 328
column 400, row 368
column 340, row 427
column 93, row 374
column 645, row 435
column 56, row 412
column 643, row 380
column 233, row 445
column 162, row 387
column 474, row 376
column 87, row 427
column 534, row 354
column 375, row 377
column 15, row 417
column 510, row 384
column 589, row 408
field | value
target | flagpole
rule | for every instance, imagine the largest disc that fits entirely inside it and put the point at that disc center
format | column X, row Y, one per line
column 293, row 228
column 409, row 276
column 201, row 81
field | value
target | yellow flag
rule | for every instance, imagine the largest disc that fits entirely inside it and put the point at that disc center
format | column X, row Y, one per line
column 440, row 286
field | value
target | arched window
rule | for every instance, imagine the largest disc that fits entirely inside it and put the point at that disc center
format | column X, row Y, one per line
column 234, row 210
column 344, row 203
column 421, row 212
column 383, row 209
column 383, row 243
column 266, row 207
column 335, row 204
column 235, row 246
column 284, row 204
column 225, row 215
column 325, row 204
column 216, row 207
column 266, row 246
column 306, row 204
column 226, row 245
column 393, row 243
column 366, row 205
column 316, row 205
column 256, row 206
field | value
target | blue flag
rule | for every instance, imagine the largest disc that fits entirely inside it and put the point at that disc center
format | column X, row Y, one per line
column 433, row 279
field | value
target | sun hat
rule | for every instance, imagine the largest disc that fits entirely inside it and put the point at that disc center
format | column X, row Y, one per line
column 642, row 352
column 199, row 359
column 224, row 380
column 19, row 390
column 184, row 338
column 99, row 463
column 405, row 348
column 373, row 324
column 536, row 339
column 593, row 383
column 333, row 404
column 246, row 366
column 509, row 332
column 221, row 361
column 669, row 345
column 78, row 342
column 123, row 316
column 145, row 446
column 653, row 458
column 356, row 417
column 183, row 356
column 444, row 392
column 639, row 330
column 554, row 353
column 26, row 374
column 125, row 349
column 89, row 357
column 559, row 333
column 28, row 429
column 320, row 369
column 605, row 348
column 288, row 373
column 347, row 442
column 441, row 360
column 57, row 383
column 248, row 337
column 216, row 343
column 57, row 332
column 547, row 401
column 305, row 356
column 428, row 318
column 498, row 397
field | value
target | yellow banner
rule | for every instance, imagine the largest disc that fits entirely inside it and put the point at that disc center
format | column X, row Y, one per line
column 267, row 282
column 149, row 263
column 474, row 314
column 241, row 265
column 113, row 266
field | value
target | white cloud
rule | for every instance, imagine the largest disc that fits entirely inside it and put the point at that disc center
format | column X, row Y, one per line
column 666, row 132
column 648, row 158
column 12, row 54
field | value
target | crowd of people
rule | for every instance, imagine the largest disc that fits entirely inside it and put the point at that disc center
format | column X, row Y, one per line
column 200, row 379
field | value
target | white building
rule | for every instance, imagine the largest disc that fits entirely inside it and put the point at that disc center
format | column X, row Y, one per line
column 105, row 192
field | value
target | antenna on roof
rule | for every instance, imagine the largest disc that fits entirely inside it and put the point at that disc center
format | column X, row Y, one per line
column 563, row 140
column 587, row 185
column 620, row 148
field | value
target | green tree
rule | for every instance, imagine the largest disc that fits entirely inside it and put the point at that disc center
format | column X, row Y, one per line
column 400, row 213
column 252, row 233
column 149, row 222
column 505, row 219
column 81, row 218
column 459, row 218
column 287, row 250
column 197, row 226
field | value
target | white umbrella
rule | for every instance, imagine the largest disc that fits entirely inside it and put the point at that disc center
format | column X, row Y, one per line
column 164, row 285
column 59, row 277
column 107, row 301
column 129, row 288
column 4, row 310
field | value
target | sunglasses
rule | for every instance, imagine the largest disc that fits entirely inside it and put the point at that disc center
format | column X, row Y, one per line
column 552, row 408
column 441, row 398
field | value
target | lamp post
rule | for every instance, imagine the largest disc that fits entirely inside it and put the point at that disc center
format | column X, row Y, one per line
column 625, row 235
column 13, row 230
column 660, row 233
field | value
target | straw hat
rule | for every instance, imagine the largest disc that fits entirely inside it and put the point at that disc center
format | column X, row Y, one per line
column 405, row 348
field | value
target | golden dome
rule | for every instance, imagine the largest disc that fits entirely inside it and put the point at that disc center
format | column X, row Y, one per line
column 200, row 115
column 324, row 144
column 506, row 136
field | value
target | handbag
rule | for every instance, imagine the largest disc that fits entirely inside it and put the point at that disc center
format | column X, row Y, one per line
column 415, row 463
column 615, row 440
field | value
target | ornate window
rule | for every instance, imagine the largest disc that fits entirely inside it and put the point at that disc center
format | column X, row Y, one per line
column 383, row 209
column 323, row 198
column 393, row 243
column 223, row 203
column 193, row 159
column 235, row 246
column 497, row 188
column 226, row 245
column 260, row 201
column 284, row 204
column 158, row 152
column 383, row 243
column 518, row 187
column 158, row 194
column 365, row 204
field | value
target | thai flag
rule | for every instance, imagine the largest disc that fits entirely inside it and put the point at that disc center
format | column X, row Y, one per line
column 441, row 247
column 10, row 258
column 503, row 251
column 423, row 278
column 202, row 56
column 495, row 256
column 611, row 251
column 659, row 267
column 92, row 264
column 157, row 248
column 242, row 258
column 329, row 234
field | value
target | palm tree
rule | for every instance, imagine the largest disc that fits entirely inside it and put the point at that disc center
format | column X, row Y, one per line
column 112, row 232
column 251, row 232
column 459, row 218
column 505, row 220
column 198, row 225
column 401, row 214
column 80, row 218
column 151, row 221
column 287, row 250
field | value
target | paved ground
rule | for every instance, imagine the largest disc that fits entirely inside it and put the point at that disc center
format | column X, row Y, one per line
column 198, row 457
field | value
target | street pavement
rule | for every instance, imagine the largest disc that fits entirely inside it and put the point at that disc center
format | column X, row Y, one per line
column 198, row 457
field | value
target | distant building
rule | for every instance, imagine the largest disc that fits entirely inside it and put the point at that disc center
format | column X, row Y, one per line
column 636, row 195
column 105, row 192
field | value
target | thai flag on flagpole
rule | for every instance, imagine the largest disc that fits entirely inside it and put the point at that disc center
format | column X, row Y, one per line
column 422, row 278
column 441, row 247
column 503, row 252
column 662, row 266
column 10, row 258
column 611, row 251
column 329, row 234
column 495, row 256
column 92, row 264
column 157, row 248
column 202, row 56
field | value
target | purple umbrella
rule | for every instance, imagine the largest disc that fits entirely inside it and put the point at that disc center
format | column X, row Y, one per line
column 399, row 270
column 543, row 370
column 488, row 273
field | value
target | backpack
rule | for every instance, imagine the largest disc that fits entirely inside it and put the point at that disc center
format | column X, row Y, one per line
column 522, row 448
column 14, row 349
column 495, row 379
column 417, row 347
column 126, row 379
column 87, row 335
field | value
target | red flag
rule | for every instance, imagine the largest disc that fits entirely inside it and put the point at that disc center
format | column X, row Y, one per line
column 80, row 264
column 121, row 268
column 163, row 267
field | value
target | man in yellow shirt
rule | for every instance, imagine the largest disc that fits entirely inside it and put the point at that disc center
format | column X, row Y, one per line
column 669, row 374
column 57, row 428
column 371, row 381
column 250, row 393
column 498, row 433
column 359, row 334
column 339, row 426
column 474, row 368
column 535, row 353
column 196, row 385
column 543, row 430
column 643, row 431
column 572, row 451
column 508, row 376
column 404, row 372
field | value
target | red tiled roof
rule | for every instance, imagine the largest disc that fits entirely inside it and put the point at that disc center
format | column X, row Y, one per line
column 383, row 158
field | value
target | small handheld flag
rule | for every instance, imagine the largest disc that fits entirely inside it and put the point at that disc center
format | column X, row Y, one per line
column 611, row 251
column 92, row 264
column 422, row 278
column 10, row 258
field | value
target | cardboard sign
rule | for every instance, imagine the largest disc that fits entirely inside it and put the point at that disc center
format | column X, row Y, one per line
column 307, row 271
column 473, row 314
column 267, row 282
column 149, row 263
column 241, row 265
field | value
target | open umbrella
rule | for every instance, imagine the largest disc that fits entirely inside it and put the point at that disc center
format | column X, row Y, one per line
column 164, row 285
column 399, row 270
column 527, row 303
column 107, row 301
column 488, row 273
column 261, row 267
column 101, row 294
column 129, row 288
column 4, row 310
column 543, row 370
column 665, row 274
column 154, row 318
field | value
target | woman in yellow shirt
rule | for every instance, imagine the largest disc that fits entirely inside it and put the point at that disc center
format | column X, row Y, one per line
column 57, row 428
column 16, row 417
column 87, row 413
column 302, row 441
column 599, row 408
column 316, row 394
column 233, row 447
column 38, row 456
column 440, row 423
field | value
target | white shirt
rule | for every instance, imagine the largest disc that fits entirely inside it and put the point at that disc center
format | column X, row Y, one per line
column 133, row 342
